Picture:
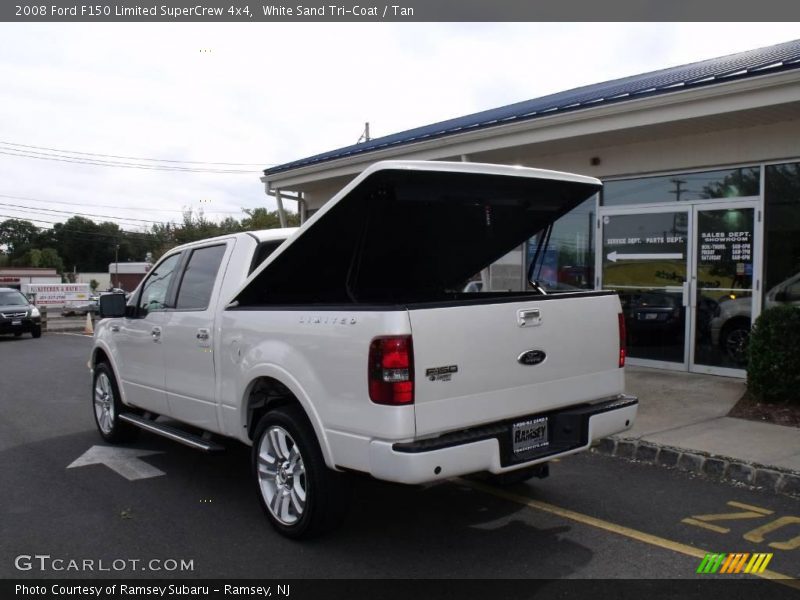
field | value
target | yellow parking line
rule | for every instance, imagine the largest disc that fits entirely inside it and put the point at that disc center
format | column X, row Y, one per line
column 704, row 525
column 628, row 532
column 758, row 509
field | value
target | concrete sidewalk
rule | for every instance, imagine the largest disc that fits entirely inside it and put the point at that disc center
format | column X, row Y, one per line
column 682, row 422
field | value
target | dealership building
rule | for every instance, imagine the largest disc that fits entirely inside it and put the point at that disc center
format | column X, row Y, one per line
column 698, row 223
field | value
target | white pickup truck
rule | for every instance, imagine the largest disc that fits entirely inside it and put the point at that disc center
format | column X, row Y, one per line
column 347, row 346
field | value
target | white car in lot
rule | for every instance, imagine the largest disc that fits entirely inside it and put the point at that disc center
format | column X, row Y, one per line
column 730, row 328
column 348, row 345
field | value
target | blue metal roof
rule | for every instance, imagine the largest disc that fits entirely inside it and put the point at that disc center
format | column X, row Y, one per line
column 771, row 59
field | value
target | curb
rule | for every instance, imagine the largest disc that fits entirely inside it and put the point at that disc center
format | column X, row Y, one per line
column 719, row 468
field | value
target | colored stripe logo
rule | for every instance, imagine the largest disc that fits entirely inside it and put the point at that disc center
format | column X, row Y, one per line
column 742, row 562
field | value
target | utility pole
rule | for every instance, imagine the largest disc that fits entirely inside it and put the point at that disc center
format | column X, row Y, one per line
column 678, row 190
column 116, row 264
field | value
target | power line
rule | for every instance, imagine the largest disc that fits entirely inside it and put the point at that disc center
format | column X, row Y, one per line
column 169, row 160
column 121, row 233
column 67, row 212
column 137, row 208
column 100, row 163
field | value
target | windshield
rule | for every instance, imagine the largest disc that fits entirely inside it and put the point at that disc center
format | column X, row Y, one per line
column 12, row 298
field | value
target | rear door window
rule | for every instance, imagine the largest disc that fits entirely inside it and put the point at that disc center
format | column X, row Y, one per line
column 199, row 277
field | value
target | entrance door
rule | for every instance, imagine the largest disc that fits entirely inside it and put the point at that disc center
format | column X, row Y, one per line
column 724, row 299
column 645, row 258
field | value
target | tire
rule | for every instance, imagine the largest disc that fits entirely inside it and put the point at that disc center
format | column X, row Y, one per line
column 36, row 332
column 301, row 496
column 519, row 476
column 734, row 341
column 107, row 407
column 18, row 334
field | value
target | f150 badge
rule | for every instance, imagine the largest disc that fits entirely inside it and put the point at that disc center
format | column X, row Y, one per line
column 531, row 357
column 441, row 373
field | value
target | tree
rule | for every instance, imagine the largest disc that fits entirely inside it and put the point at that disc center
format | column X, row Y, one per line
column 737, row 183
column 261, row 218
column 52, row 260
column 17, row 236
column 46, row 258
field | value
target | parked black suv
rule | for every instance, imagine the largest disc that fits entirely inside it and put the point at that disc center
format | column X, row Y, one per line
column 17, row 315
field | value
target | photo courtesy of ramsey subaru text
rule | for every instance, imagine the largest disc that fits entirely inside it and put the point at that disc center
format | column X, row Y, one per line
column 349, row 346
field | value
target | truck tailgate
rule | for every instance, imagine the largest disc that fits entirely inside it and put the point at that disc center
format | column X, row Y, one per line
column 470, row 368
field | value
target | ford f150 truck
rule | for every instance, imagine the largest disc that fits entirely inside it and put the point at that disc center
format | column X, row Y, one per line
column 348, row 346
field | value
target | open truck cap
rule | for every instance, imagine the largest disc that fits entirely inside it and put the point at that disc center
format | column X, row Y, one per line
column 406, row 230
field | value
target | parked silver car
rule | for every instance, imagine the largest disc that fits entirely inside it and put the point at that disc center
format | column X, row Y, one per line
column 730, row 328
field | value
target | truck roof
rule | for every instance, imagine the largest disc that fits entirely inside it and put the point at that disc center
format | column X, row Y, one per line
column 268, row 235
column 262, row 235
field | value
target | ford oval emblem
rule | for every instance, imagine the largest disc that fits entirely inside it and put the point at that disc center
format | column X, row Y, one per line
column 531, row 357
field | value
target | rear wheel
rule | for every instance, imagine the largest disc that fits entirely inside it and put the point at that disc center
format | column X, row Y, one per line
column 107, row 407
column 18, row 334
column 302, row 497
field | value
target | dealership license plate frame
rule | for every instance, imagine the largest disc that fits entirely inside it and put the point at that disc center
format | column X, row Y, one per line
column 522, row 447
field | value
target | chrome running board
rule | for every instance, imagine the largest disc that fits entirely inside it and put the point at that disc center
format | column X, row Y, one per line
column 172, row 433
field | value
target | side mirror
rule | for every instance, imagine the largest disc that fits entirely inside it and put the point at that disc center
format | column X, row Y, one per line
column 112, row 305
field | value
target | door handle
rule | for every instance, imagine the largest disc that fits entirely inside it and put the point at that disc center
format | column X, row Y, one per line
column 156, row 333
column 529, row 317
column 114, row 328
column 202, row 334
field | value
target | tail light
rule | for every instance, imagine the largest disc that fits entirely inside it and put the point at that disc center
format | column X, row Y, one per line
column 622, row 343
column 391, row 370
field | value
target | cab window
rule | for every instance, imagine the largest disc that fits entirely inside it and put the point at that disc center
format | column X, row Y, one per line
column 156, row 286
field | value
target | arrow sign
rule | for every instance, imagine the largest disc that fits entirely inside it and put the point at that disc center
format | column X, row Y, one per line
column 614, row 256
column 124, row 461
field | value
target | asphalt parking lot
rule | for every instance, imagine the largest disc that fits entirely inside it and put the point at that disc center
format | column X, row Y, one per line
column 594, row 517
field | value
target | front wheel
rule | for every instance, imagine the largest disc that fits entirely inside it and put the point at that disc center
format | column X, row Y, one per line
column 302, row 497
column 36, row 332
column 107, row 407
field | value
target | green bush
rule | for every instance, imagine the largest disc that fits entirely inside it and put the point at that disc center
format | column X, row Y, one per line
column 773, row 371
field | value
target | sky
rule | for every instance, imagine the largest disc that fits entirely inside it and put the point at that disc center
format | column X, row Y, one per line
column 260, row 94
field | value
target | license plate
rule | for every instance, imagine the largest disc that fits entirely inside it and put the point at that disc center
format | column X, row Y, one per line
column 529, row 435
column 650, row 316
column 16, row 322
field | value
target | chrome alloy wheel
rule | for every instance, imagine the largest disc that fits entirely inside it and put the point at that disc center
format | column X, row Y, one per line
column 281, row 475
column 104, row 403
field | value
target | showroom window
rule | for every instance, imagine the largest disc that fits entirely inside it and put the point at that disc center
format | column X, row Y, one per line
column 568, row 261
column 683, row 187
column 782, row 234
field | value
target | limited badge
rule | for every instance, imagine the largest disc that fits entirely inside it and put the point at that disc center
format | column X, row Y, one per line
column 441, row 373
